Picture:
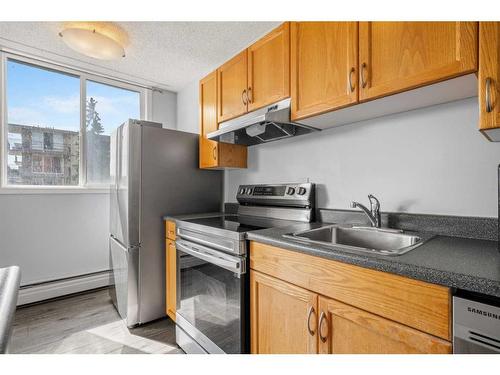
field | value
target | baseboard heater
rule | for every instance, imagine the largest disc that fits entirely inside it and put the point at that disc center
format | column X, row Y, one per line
column 61, row 287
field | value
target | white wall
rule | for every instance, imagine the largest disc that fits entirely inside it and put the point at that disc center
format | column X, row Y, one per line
column 431, row 160
column 54, row 236
column 164, row 108
column 187, row 108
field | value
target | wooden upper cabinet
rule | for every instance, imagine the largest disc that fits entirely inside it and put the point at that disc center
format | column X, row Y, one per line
column 269, row 68
column 208, row 104
column 209, row 153
column 343, row 329
column 283, row 317
column 215, row 155
column 232, row 87
column 324, row 59
column 397, row 56
column 489, row 79
column 256, row 77
column 208, row 121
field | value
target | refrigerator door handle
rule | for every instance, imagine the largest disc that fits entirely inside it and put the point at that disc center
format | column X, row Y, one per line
column 126, row 248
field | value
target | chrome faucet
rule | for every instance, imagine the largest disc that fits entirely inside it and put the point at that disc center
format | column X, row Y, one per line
column 373, row 213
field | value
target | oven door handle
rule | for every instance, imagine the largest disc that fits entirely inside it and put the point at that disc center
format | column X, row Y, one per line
column 228, row 262
column 183, row 233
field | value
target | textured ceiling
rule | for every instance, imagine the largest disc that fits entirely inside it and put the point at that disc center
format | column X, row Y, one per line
column 163, row 54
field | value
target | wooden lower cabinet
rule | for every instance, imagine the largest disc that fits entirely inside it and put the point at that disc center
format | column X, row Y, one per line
column 305, row 304
column 283, row 318
column 345, row 329
column 171, row 278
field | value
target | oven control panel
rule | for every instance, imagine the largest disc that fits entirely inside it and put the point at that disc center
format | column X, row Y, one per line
column 299, row 194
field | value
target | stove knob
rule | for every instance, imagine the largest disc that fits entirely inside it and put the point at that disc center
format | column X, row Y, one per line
column 290, row 191
column 302, row 191
column 242, row 191
column 249, row 191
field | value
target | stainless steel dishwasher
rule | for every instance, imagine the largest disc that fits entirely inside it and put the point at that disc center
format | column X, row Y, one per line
column 476, row 325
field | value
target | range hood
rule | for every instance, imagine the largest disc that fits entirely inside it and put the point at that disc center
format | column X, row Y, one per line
column 263, row 125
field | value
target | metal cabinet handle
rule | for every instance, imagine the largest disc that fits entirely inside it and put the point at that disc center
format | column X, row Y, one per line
column 309, row 314
column 214, row 152
column 349, row 77
column 362, row 75
column 249, row 95
column 322, row 318
column 489, row 107
column 243, row 94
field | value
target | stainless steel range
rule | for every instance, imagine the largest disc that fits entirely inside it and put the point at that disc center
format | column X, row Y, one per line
column 212, row 265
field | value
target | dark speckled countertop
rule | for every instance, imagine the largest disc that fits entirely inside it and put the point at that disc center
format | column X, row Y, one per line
column 462, row 254
column 464, row 263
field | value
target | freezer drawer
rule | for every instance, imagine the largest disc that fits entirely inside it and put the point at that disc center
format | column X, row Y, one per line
column 124, row 292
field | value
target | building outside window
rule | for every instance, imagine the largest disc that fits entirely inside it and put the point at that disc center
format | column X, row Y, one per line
column 106, row 107
column 45, row 130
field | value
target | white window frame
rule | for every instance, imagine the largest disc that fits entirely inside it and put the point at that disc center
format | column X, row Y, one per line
column 84, row 76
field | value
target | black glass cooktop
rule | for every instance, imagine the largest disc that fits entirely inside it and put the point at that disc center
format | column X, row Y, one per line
column 234, row 223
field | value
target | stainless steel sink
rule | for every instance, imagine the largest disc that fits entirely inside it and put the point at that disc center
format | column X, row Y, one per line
column 388, row 242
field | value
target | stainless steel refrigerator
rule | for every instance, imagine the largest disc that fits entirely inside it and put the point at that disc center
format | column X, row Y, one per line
column 154, row 172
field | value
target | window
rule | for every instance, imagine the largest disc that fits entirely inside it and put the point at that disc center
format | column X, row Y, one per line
column 15, row 141
column 41, row 103
column 107, row 107
column 48, row 141
column 37, row 166
column 58, row 141
column 36, row 139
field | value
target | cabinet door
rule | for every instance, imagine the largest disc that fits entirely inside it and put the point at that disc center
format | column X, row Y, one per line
column 324, row 59
column 344, row 329
column 282, row 317
column 209, row 153
column 269, row 68
column 489, row 79
column 232, row 87
column 171, row 278
column 397, row 56
column 208, row 121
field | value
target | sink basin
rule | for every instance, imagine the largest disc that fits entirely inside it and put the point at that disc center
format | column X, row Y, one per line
column 360, row 239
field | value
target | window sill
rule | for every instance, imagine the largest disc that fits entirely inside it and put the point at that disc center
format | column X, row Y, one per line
column 35, row 190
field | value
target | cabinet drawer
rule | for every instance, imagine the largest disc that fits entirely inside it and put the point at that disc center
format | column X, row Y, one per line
column 170, row 229
column 417, row 304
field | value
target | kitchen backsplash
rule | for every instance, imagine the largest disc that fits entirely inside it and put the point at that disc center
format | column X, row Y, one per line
column 413, row 162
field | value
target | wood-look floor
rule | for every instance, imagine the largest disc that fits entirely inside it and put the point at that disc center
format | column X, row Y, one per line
column 86, row 323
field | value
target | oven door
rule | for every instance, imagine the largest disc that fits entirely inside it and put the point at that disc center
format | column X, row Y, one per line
column 211, row 292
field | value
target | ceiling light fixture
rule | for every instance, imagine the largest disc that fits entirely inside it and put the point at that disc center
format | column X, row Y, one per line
column 92, row 43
